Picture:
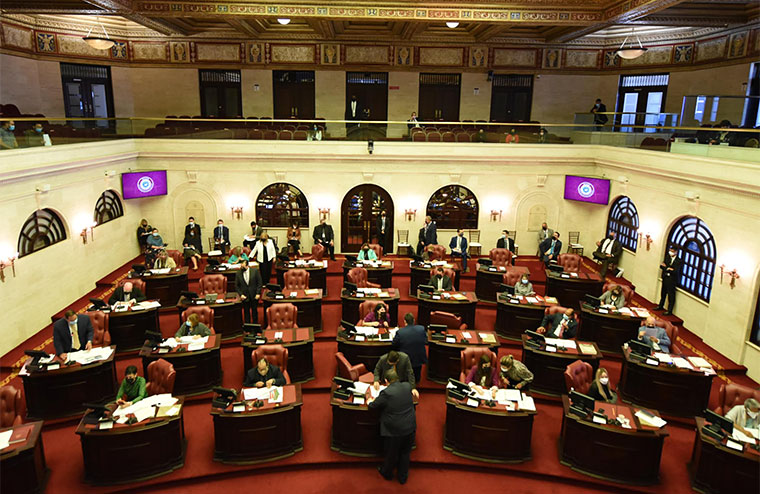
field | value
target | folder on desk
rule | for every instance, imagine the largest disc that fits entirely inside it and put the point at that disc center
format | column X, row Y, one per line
column 487, row 337
column 587, row 348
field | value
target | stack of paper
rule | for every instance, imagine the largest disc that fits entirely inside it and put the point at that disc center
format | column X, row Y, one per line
column 250, row 394
column 160, row 271
column 682, row 363
column 560, row 342
column 651, row 420
column 505, row 395
column 195, row 346
column 487, row 337
column 738, row 435
column 192, row 339
column 526, row 403
column 531, row 300
column 361, row 387
column 374, row 393
column 366, row 330
column 665, row 358
column 587, row 348
column 312, row 291
column 5, row 438
column 551, row 300
column 700, row 362
column 95, row 354
column 458, row 296
column 148, row 304
column 466, row 335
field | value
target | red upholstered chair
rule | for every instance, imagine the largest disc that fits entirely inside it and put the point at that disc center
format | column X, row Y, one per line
column 275, row 354
column 247, row 250
column 571, row 262
column 730, row 395
column 672, row 331
column 627, row 291
column 513, row 274
column 100, row 334
column 365, row 308
column 578, row 376
column 161, row 376
column 213, row 283
column 136, row 282
column 177, row 256
column 317, row 252
column 355, row 373
column 554, row 309
column 205, row 315
column 471, row 356
column 358, row 276
column 500, row 257
column 296, row 279
column 12, row 407
column 450, row 320
column 378, row 250
column 282, row 316
column 439, row 253
column 446, row 271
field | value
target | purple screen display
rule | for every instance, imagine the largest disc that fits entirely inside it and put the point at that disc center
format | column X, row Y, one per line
column 143, row 184
column 585, row 189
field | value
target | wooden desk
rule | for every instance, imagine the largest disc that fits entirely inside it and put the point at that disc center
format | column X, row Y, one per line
column 485, row 433
column 717, row 469
column 128, row 328
column 671, row 390
column 610, row 331
column 154, row 447
column 166, row 288
column 444, row 359
column 309, row 306
column 228, row 273
column 610, row 452
column 420, row 275
column 380, row 273
column 570, row 289
column 300, row 344
column 53, row 394
column 516, row 315
column 367, row 352
column 462, row 308
column 317, row 273
column 256, row 435
column 197, row 372
column 488, row 279
column 228, row 316
column 351, row 305
column 548, row 368
column 22, row 465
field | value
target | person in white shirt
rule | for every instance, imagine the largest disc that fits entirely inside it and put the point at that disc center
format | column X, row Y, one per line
column 524, row 286
column 264, row 253
column 745, row 416
column 607, row 252
column 458, row 246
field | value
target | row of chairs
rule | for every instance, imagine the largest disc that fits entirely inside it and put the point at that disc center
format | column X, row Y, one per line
column 239, row 122
column 234, row 133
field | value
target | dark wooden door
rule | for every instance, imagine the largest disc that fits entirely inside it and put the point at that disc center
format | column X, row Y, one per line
column 511, row 98
column 87, row 93
column 359, row 212
column 293, row 94
column 221, row 95
column 439, row 97
column 371, row 91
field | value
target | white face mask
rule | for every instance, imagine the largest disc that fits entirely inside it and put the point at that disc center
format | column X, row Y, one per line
column 604, row 380
column 751, row 414
column 192, row 223
column 155, row 234
column 672, row 254
column 504, row 370
column 525, row 282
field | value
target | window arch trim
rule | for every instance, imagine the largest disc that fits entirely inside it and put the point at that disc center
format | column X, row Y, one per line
column 43, row 228
column 275, row 208
column 454, row 206
column 695, row 246
column 108, row 207
column 623, row 219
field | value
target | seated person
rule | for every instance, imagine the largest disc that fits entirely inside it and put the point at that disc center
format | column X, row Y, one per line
column 377, row 317
column 613, row 298
column 513, row 374
column 190, row 253
column 35, row 136
column 745, row 416
column 164, row 261
column 237, row 256
column 428, row 253
column 153, row 245
column 132, row 388
column 366, row 254
column 264, row 374
column 401, row 363
column 600, row 387
column 193, row 327
column 440, row 281
column 294, row 238
column 125, row 293
column 654, row 336
column 564, row 325
column 524, row 286
column 482, row 377
column 458, row 246
column 608, row 251
column 550, row 248
column 71, row 333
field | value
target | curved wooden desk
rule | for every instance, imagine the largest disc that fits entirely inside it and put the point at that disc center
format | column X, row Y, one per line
column 197, row 371
column 128, row 328
column 549, row 367
column 300, row 345
column 461, row 304
column 166, row 288
column 420, row 275
column 367, row 352
column 570, row 288
column 351, row 303
column 228, row 316
column 317, row 273
column 308, row 303
column 380, row 272
column 444, row 358
column 515, row 315
column 487, row 281
column 609, row 330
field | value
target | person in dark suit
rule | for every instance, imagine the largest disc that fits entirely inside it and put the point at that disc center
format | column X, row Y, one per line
column 412, row 340
column 551, row 248
column 400, row 363
column 598, row 110
column 125, row 293
column 248, row 285
column 256, row 232
column 440, row 281
column 428, row 235
column 323, row 235
column 353, row 110
column 72, row 333
column 383, row 226
column 193, row 235
column 397, row 426
column 563, row 325
column 608, row 250
column 221, row 237
column 505, row 242
column 671, row 272
column 265, row 374
column 458, row 246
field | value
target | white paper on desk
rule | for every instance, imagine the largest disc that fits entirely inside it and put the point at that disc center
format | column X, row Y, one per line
column 366, row 330
column 105, row 425
column 603, row 311
column 527, row 403
column 472, row 403
column 550, row 348
column 466, row 334
column 137, row 308
column 514, row 301
column 358, row 400
column 560, row 342
column 700, row 362
column 149, row 304
column 160, row 271
column 5, row 438
column 375, row 393
column 651, row 361
column 194, row 347
column 192, row 339
column 250, row 394
column 359, row 337
column 734, row 445
column 145, row 413
column 122, row 420
column 625, row 311
column 682, row 363
column 275, row 394
column 170, row 342
column 48, row 359
column 598, row 420
column 361, row 387
column 740, row 436
column 393, row 332
column 665, row 358
column 506, row 395
column 450, row 339
column 651, row 420
column 278, row 335
column 531, row 300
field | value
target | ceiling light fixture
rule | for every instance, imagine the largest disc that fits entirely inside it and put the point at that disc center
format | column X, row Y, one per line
column 99, row 42
column 284, row 21
column 452, row 24
column 631, row 51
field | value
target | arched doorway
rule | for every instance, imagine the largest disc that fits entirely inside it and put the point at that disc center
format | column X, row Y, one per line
column 359, row 211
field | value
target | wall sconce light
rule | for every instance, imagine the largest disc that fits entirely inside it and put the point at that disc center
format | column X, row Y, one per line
column 88, row 229
column 237, row 211
column 8, row 261
column 496, row 215
column 647, row 237
column 324, row 213
column 411, row 214
column 732, row 274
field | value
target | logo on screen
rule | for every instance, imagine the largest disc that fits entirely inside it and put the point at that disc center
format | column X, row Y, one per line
column 146, row 184
column 586, row 189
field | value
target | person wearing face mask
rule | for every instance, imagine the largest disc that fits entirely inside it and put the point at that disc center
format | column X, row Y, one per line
column 154, row 245
column 513, row 374
column 551, row 248
column 193, row 235
column 193, row 327
column 143, row 232
column 294, row 238
column 524, row 287
column 505, row 242
column 377, row 317
column 608, row 251
column 483, row 376
column 745, row 416
column 440, row 281
column 613, row 298
column 264, row 253
column 132, row 388
column 366, row 254
column 560, row 325
column 654, row 336
column 34, row 136
column 221, row 236
column 7, row 137
column 600, row 387
column 398, row 362
column 671, row 272
column 598, row 110
column 383, row 227
column 458, row 246
column 544, row 233
column 71, row 333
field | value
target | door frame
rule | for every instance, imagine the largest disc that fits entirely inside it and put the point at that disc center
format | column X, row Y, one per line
column 389, row 210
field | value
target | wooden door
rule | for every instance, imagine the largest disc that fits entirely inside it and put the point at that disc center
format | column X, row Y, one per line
column 439, row 97
column 359, row 212
column 371, row 91
column 511, row 98
column 293, row 94
column 221, row 95
column 87, row 93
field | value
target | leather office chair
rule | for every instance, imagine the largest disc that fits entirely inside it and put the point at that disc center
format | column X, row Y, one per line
column 213, row 283
column 247, row 250
column 439, row 253
column 578, row 376
column 471, row 356
column 672, row 331
column 161, row 376
column 627, row 291
column 275, row 354
column 317, row 252
column 513, row 275
column 555, row 309
column 296, row 279
column 282, row 316
column 205, row 315
column 378, row 250
column 358, row 276
column 730, row 395
column 571, row 262
column 100, row 334
column 12, row 407
column 365, row 308
column 450, row 320
column 355, row 373
column 500, row 257
column 138, row 283
column 179, row 259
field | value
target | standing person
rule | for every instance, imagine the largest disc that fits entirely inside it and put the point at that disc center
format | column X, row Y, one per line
column 413, row 122
column 255, row 235
column 221, row 237
column 608, row 251
column 35, row 136
column 7, row 137
column 382, row 228
column 458, row 246
column 428, row 235
column 248, row 285
column 143, row 232
column 353, row 111
column 323, row 235
column 551, row 248
column 544, row 233
column 397, row 426
column 193, row 235
column 72, row 333
column 264, row 253
column 671, row 272
column 412, row 340
column 294, row 238
column 153, row 247
column 598, row 110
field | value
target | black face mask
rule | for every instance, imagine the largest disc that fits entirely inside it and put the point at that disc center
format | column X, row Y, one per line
column 365, row 250
column 131, row 380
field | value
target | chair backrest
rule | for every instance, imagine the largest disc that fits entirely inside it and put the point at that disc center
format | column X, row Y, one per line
column 448, row 136
column 366, row 307
column 418, row 136
column 578, row 376
column 213, row 283
column 571, row 262
column 138, row 283
column 627, row 291
column 434, row 136
column 296, row 279
column 513, row 274
column 161, row 376
column 358, row 276
column 463, row 137
column 573, row 237
column 285, row 135
column 275, row 354
column 100, row 334
column 732, row 394
column 205, row 315
column 403, row 236
column 317, row 252
column 672, row 331
column 177, row 256
column 378, row 250
column 558, row 309
column 473, row 236
column 500, row 257
column 299, row 135
column 282, row 316
column 439, row 253
column 446, row 271
column 11, row 406
column 470, row 356
column 345, row 369
column 450, row 320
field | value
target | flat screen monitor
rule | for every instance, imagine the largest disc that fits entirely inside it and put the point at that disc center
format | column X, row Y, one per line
column 437, row 328
column 350, row 287
column 587, row 189
column 640, row 348
column 508, row 289
column 343, row 383
column 719, row 421
column 135, row 185
column 581, row 401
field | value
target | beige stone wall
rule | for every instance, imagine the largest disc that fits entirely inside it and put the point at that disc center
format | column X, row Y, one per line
column 402, row 101
column 330, row 99
column 33, row 86
column 257, row 102
column 475, row 106
column 556, row 98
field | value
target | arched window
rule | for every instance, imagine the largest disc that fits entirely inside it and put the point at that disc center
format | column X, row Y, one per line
column 281, row 204
column 624, row 221
column 754, row 336
column 42, row 229
column 696, row 247
column 108, row 207
column 453, row 206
